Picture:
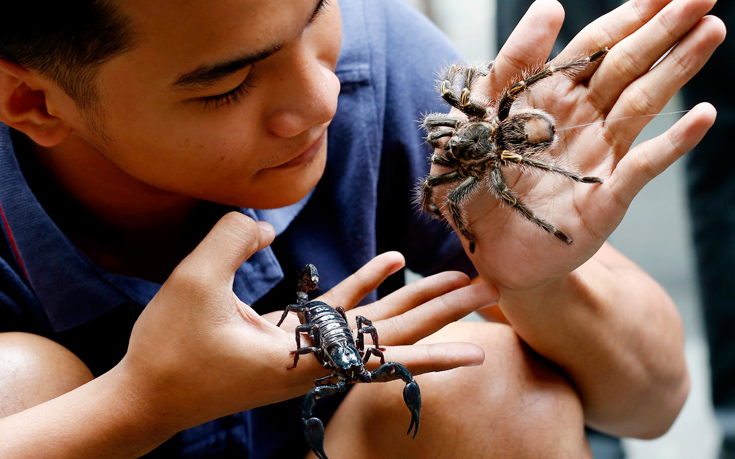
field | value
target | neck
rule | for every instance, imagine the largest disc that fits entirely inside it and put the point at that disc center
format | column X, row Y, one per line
column 122, row 224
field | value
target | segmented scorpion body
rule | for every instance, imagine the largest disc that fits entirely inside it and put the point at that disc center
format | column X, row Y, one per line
column 336, row 348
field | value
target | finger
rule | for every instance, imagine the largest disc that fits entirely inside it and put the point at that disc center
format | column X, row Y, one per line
column 426, row 358
column 420, row 322
column 233, row 240
column 352, row 290
column 609, row 29
column 636, row 54
column 415, row 294
column 650, row 93
column 529, row 45
column 652, row 157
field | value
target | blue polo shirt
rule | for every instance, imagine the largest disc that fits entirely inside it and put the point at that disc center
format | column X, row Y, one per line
column 362, row 206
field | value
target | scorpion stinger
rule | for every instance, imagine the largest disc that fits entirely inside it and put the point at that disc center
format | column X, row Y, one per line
column 336, row 348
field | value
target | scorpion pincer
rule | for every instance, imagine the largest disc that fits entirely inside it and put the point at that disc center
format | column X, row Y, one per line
column 335, row 347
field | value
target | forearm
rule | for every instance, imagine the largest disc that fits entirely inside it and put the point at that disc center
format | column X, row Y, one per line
column 617, row 336
column 102, row 418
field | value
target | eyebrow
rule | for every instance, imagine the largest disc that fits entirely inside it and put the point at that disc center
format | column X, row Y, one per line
column 209, row 74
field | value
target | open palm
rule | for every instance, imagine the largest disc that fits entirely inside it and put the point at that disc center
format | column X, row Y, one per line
column 598, row 114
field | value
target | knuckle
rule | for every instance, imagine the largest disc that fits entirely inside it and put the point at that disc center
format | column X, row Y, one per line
column 639, row 100
column 191, row 281
column 242, row 231
column 627, row 64
column 683, row 64
column 600, row 37
column 645, row 165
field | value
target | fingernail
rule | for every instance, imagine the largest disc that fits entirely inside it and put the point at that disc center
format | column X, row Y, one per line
column 265, row 226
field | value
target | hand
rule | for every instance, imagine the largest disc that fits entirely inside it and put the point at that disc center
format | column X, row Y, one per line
column 198, row 353
column 512, row 252
column 409, row 314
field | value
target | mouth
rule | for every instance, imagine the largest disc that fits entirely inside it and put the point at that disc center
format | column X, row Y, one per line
column 307, row 155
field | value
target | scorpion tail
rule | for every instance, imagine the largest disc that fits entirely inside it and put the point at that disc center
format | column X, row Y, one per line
column 412, row 397
column 314, row 431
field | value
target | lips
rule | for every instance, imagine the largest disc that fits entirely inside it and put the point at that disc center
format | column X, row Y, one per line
column 307, row 155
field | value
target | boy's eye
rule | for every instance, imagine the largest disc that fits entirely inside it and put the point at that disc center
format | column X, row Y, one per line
column 320, row 8
column 233, row 96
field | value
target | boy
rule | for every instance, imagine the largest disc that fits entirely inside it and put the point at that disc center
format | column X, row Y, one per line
column 189, row 109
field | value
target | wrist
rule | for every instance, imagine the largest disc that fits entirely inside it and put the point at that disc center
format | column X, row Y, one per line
column 146, row 401
column 538, row 294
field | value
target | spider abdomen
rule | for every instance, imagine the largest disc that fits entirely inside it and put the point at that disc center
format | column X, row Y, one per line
column 531, row 131
column 489, row 137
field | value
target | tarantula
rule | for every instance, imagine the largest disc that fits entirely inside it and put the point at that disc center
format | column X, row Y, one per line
column 478, row 148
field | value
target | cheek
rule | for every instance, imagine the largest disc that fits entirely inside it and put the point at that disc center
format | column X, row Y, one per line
column 183, row 156
column 329, row 35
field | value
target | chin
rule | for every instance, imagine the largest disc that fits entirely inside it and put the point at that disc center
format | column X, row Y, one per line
column 286, row 187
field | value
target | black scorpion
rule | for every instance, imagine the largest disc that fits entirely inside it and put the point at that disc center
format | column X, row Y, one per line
column 335, row 347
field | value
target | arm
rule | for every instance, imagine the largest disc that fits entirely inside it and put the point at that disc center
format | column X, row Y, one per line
column 610, row 328
column 197, row 353
column 616, row 335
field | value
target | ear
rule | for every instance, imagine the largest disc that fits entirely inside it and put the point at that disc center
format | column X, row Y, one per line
column 24, row 105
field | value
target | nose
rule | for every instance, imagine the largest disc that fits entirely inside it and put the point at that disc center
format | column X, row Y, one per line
column 306, row 95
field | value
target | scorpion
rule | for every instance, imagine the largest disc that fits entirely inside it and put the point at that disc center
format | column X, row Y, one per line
column 335, row 347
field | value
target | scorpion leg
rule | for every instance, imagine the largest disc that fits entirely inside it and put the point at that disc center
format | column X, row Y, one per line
column 316, row 341
column 341, row 312
column 361, row 330
column 376, row 352
column 291, row 307
column 313, row 426
column 411, row 393
column 369, row 329
column 318, row 353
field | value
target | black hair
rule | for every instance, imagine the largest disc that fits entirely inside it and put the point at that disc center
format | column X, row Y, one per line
column 65, row 41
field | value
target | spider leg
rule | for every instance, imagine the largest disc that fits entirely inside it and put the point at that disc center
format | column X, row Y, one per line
column 445, row 161
column 454, row 200
column 438, row 126
column 435, row 120
column 511, row 93
column 427, row 198
column 435, row 136
column 520, row 159
column 462, row 101
column 498, row 182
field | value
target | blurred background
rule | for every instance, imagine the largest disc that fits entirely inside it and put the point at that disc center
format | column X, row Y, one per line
column 655, row 233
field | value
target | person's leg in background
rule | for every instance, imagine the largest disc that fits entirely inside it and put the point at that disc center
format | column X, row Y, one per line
column 711, row 189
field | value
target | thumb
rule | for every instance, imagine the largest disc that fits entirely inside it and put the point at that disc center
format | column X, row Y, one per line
column 232, row 240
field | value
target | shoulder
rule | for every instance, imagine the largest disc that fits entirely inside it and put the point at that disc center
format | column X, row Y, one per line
column 381, row 32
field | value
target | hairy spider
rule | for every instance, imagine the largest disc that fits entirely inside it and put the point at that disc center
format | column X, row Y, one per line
column 479, row 147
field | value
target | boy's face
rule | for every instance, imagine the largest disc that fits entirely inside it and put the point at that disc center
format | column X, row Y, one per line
column 227, row 101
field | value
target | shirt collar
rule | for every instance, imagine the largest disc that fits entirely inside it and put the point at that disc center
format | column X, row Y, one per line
column 71, row 289
column 66, row 285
